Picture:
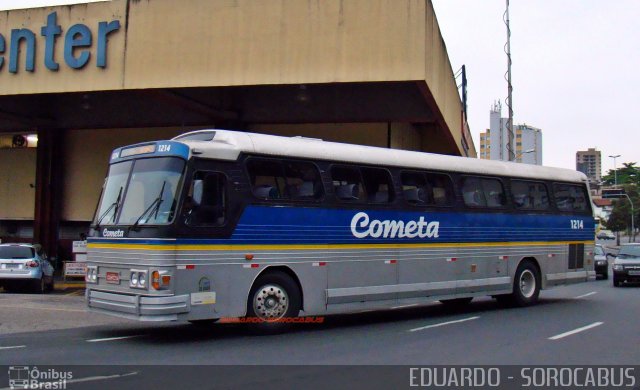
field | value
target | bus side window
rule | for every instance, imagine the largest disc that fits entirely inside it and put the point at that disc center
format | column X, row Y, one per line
column 528, row 195
column 472, row 192
column 347, row 183
column 378, row 185
column 206, row 203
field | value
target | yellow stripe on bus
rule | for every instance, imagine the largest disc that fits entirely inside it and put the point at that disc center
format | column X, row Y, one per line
column 258, row 247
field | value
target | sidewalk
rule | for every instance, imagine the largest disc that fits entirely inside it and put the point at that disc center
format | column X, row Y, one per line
column 72, row 286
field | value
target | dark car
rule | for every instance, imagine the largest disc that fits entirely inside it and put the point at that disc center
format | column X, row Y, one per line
column 626, row 266
column 601, row 262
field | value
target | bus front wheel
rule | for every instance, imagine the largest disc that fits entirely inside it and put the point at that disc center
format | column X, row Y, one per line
column 274, row 299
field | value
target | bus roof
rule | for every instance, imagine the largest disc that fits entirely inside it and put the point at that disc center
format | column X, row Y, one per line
column 227, row 145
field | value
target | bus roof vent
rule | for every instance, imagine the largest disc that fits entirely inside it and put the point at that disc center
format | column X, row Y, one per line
column 307, row 138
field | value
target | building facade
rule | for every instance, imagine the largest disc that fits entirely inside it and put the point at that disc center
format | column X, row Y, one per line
column 85, row 79
column 527, row 140
column 589, row 162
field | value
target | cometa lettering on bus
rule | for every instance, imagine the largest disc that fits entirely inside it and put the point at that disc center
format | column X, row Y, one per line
column 362, row 227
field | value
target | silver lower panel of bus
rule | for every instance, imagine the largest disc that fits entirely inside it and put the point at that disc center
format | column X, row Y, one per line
column 145, row 308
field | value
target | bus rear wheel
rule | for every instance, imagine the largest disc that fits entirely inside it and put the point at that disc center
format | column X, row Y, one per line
column 526, row 286
column 274, row 299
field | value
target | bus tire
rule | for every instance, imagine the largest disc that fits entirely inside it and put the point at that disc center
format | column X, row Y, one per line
column 456, row 303
column 526, row 285
column 274, row 298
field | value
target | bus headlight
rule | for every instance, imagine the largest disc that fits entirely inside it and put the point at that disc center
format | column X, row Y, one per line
column 92, row 274
column 138, row 279
column 618, row 267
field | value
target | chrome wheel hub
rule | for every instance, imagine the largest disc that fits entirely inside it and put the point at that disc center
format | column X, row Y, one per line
column 270, row 302
column 527, row 283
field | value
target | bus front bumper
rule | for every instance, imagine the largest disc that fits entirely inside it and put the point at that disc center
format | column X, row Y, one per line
column 138, row 307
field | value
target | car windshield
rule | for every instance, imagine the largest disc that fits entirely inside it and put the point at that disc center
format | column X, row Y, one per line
column 133, row 187
column 599, row 251
column 16, row 252
column 629, row 252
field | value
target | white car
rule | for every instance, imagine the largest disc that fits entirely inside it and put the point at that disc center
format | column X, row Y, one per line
column 25, row 265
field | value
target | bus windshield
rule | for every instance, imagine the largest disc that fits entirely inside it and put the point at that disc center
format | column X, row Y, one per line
column 140, row 192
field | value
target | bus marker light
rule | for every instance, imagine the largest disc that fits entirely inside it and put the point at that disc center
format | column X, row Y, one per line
column 248, row 257
column 155, row 280
column 250, row 265
column 166, row 280
column 390, row 261
column 451, row 259
column 190, row 266
column 503, row 257
column 551, row 255
column 319, row 264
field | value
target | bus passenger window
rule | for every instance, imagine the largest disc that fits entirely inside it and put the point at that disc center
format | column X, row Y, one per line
column 472, row 192
column 483, row 192
column 347, row 183
column 528, row 195
column 570, row 197
column 267, row 179
column 303, row 180
column 378, row 185
column 206, row 203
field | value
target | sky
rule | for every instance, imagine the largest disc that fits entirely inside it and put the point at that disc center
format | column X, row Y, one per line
column 574, row 69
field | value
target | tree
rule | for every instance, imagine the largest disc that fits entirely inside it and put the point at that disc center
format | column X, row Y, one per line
column 620, row 218
column 628, row 174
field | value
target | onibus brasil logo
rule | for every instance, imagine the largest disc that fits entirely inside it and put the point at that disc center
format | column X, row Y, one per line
column 25, row 377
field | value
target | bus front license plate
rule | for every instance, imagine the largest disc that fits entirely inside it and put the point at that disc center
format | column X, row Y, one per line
column 113, row 277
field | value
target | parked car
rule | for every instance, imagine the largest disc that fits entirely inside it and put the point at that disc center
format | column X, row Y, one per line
column 605, row 235
column 601, row 262
column 25, row 266
column 626, row 266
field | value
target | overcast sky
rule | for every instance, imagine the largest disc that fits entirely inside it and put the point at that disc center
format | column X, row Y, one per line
column 574, row 73
column 575, row 69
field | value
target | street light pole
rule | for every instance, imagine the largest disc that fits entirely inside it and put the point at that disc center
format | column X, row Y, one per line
column 633, row 228
column 615, row 170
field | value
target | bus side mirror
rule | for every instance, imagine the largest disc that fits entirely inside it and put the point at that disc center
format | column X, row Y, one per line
column 197, row 192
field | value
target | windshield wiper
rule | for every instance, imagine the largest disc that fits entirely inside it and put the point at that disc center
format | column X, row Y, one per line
column 115, row 205
column 155, row 206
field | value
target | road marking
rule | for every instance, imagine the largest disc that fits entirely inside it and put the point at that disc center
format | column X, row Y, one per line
column 586, row 295
column 113, row 338
column 87, row 379
column 403, row 306
column 569, row 333
column 43, row 308
column 443, row 324
column 13, row 347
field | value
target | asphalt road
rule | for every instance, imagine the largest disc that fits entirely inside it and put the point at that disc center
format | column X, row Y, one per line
column 586, row 324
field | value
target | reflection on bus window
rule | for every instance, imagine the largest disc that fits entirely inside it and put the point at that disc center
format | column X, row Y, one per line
column 152, row 189
column 570, row 197
column 528, row 195
column 206, row 203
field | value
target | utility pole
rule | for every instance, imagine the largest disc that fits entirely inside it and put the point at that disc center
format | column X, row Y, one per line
column 510, row 148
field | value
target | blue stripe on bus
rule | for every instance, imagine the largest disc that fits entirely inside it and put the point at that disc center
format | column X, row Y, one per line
column 262, row 225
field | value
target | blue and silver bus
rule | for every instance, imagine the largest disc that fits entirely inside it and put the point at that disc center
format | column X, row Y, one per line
column 221, row 224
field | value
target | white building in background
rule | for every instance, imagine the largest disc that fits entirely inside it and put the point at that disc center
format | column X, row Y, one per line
column 527, row 140
column 589, row 162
